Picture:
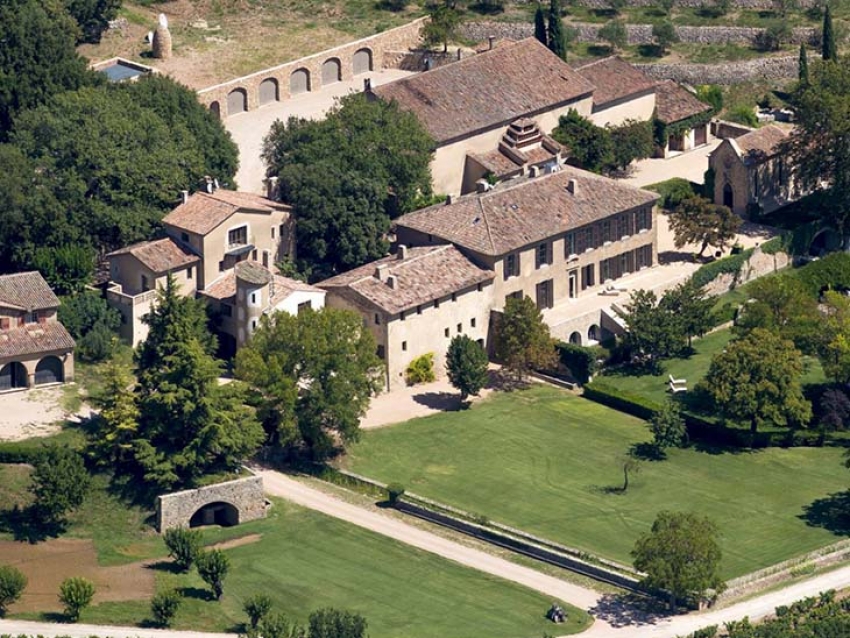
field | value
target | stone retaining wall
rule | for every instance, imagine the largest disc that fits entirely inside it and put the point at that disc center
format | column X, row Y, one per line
column 758, row 265
column 246, row 495
column 690, row 4
column 778, row 68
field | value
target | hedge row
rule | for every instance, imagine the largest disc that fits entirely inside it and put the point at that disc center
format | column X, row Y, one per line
column 833, row 271
column 733, row 264
column 580, row 361
column 19, row 451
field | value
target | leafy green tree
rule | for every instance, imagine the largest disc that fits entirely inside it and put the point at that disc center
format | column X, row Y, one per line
column 668, row 427
column 442, row 26
column 184, row 546
column 110, row 441
column 774, row 36
column 68, row 269
column 75, row 594
column 540, row 31
column 834, row 328
column 631, row 466
column 803, row 66
column 829, row 48
column 819, row 147
column 92, row 323
column 666, row 6
column 278, row 626
column 335, row 623
column 312, row 375
column 680, row 554
column 653, row 332
column 12, row 585
column 711, row 94
column 697, row 220
column 691, row 307
column 466, row 365
column 37, row 59
column 615, row 34
column 757, row 379
column 556, row 39
column 213, row 566
column 664, row 34
column 590, row 146
column 346, row 176
column 257, row 607
column 523, row 341
column 59, row 483
column 834, row 408
column 631, row 141
column 164, row 606
column 92, row 17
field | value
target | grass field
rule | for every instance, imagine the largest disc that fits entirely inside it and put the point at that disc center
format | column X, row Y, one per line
column 305, row 561
column 550, row 463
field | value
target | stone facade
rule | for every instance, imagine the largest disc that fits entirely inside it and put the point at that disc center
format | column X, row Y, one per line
column 312, row 72
column 245, row 496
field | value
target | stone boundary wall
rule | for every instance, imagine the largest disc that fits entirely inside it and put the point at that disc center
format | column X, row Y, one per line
column 779, row 68
column 637, row 33
column 688, row 4
column 380, row 45
column 245, row 494
column 758, row 265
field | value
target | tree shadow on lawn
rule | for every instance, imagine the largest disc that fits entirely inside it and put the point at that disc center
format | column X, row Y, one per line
column 629, row 610
column 196, row 592
column 831, row 513
column 443, row 401
column 167, row 566
column 25, row 525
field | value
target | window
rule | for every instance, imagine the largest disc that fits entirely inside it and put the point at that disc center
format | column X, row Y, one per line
column 254, row 255
column 418, row 310
column 304, row 305
column 544, row 294
column 480, row 287
column 542, row 255
column 447, row 332
column 454, row 296
column 644, row 219
column 606, row 231
column 184, row 237
column 513, row 295
column 253, row 325
column 589, row 244
column 604, row 270
column 459, row 328
column 253, row 297
column 380, row 352
column 145, row 285
column 570, row 245
column 622, row 227
column 272, row 232
column 189, row 272
column 221, row 266
column 237, row 236
column 587, row 279
column 226, row 310
column 511, row 266
column 436, row 303
column 472, row 322
column 377, row 319
column 404, row 346
column 643, row 256
column 401, row 315
column 282, row 231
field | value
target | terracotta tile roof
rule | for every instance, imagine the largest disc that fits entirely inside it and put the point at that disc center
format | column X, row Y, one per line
column 425, row 274
column 614, row 79
column 487, row 90
column 761, row 143
column 26, row 291
column 160, row 255
column 484, row 45
column 526, row 210
column 35, row 338
column 204, row 211
column 224, row 288
column 673, row 103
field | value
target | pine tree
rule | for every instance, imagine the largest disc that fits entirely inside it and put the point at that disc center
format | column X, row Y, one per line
column 557, row 42
column 540, row 25
column 829, row 51
column 803, row 66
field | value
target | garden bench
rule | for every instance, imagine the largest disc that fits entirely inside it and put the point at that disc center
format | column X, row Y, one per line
column 677, row 381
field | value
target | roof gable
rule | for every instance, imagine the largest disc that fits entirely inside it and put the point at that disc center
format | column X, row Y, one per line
column 673, row 103
column 160, row 255
column 26, row 291
column 203, row 212
column 615, row 79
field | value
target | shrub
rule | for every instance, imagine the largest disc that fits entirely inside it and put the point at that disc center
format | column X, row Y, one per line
column 421, row 369
column 580, row 361
column 183, row 545
column 831, row 272
column 732, row 264
column 212, row 568
column 673, row 191
column 394, row 492
column 164, row 607
column 742, row 114
column 257, row 607
column 12, row 585
column 614, row 398
column 75, row 594
column 615, row 34
column 774, row 36
column 711, row 94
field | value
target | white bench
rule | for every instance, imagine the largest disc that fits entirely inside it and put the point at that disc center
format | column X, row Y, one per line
column 676, row 381
column 677, row 388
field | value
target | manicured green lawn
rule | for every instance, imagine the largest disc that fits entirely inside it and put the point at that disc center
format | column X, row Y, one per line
column 546, row 461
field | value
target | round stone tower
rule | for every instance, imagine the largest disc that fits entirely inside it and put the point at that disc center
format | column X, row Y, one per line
column 162, row 39
column 253, row 291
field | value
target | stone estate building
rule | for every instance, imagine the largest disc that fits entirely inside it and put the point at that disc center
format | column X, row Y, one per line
column 35, row 349
column 207, row 236
column 556, row 238
column 415, row 301
column 468, row 105
column 622, row 92
column 684, row 118
column 750, row 170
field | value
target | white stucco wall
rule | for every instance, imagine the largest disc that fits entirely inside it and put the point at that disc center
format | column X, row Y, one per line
column 291, row 303
column 638, row 109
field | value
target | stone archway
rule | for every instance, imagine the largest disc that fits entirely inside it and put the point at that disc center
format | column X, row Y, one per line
column 299, row 82
column 728, row 196
column 215, row 109
column 825, row 241
column 269, row 91
column 331, row 71
column 593, row 333
column 13, row 376
column 237, row 102
column 49, row 370
column 575, row 338
column 362, row 61
column 218, row 513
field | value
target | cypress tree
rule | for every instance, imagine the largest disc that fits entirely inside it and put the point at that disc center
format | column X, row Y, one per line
column 540, row 25
column 803, row 66
column 557, row 43
column 829, row 51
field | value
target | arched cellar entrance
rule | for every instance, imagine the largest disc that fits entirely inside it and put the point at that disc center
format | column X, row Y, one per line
column 218, row 513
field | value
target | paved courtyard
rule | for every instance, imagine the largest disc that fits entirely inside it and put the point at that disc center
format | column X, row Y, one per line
column 248, row 129
column 690, row 166
column 33, row 413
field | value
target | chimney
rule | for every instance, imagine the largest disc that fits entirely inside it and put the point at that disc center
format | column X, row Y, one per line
column 402, row 252
column 491, row 39
column 381, row 272
column 367, row 85
column 391, row 281
column 216, row 185
column 449, row 200
column 184, row 195
column 572, row 186
column 271, row 187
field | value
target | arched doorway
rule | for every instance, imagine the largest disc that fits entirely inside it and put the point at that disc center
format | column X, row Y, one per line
column 49, row 370
column 331, row 71
column 215, row 109
column 299, row 81
column 575, row 338
column 593, row 333
column 13, row 376
column 237, row 102
column 825, row 241
column 362, row 61
column 269, row 91
column 218, row 513
column 728, row 196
